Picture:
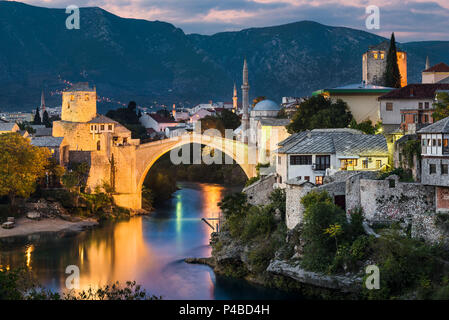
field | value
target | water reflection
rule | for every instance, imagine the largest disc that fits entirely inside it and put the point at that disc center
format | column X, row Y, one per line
column 149, row 250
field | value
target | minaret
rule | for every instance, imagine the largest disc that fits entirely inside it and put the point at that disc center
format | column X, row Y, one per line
column 235, row 100
column 427, row 63
column 42, row 107
column 174, row 111
column 245, row 103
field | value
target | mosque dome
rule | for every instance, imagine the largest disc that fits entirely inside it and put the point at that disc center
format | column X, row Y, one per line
column 266, row 105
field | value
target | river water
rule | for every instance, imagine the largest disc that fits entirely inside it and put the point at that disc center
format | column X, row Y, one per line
column 149, row 250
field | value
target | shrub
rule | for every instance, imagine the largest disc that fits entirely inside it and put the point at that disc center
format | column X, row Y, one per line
column 404, row 175
column 278, row 201
column 250, row 181
column 259, row 222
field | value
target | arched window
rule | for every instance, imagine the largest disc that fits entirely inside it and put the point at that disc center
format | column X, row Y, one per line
column 98, row 145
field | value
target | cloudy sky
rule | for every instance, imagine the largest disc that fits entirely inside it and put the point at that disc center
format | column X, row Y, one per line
column 410, row 20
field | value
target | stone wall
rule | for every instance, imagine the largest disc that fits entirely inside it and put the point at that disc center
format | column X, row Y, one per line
column 294, row 208
column 260, row 190
column 391, row 200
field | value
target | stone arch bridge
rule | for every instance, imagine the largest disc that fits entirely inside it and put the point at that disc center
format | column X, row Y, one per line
column 132, row 166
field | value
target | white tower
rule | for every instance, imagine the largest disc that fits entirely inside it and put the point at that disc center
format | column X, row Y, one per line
column 427, row 63
column 245, row 103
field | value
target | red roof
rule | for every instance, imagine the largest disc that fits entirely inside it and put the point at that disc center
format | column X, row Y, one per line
column 440, row 67
column 160, row 119
column 416, row 91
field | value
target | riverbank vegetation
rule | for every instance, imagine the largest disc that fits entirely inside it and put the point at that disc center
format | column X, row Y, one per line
column 328, row 243
column 20, row 284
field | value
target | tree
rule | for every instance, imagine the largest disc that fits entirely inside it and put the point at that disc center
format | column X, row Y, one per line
column 46, row 119
column 128, row 118
column 258, row 99
column 441, row 107
column 212, row 122
column 21, row 165
column 132, row 105
column 320, row 112
column 229, row 119
column 364, row 126
column 37, row 117
column 392, row 76
column 75, row 179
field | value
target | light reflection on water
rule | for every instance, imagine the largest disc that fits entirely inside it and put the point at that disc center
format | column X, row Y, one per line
column 149, row 250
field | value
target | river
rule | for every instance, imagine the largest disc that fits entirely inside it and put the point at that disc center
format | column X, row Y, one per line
column 148, row 249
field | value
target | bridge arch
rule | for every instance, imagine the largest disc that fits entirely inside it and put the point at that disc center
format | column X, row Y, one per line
column 147, row 154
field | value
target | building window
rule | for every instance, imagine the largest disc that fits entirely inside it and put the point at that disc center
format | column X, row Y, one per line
column 98, row 146
column 423, row 142
column 300, row 160
column 426, row 118
column 102, row 127
column 432, row 168
column 420, row 105
column 434, row 143
column 279, row 159
column 445, row 143
column 402, row 118
column 382, row 56
column 86, row 97
column 415, row 118
column 307, row 178
column 444, row 168
column 439, row 142
column 110, row 127
column 378, row 164
column 322, row 162
column 348, row 164
column 389, row 106
column 426, row 105
column 365, row 163
column 319, row 180
column 72, row 98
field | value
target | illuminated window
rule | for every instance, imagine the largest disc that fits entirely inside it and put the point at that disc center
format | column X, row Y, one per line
column 365, row 164
column 389, row 106
column 319, row 180
column 348, row 164
column 375, row 56
column 382, row 56
column 445, row 142
column 378, row 164
column 86, row 97
column 72, row 98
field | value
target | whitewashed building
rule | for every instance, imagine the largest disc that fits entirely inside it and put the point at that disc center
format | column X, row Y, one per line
column 156, row 122
column 311, row 155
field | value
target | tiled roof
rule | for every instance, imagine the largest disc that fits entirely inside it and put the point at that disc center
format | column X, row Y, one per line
column 342, row 143
column 41, row 132
column 440, row 67
column 8, row 126
column 46, row 141
column 102, row 119
column 160, row 119
column 416, row 91
column 441, row 126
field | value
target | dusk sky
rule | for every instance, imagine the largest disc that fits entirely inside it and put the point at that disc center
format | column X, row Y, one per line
column 410, row 20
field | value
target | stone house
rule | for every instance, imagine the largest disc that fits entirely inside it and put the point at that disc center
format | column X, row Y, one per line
column 313, row 155
column 435, row 161
column 7, row 127
column 58, row 147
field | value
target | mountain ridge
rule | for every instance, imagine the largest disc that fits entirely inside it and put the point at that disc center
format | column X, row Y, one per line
column 154, row 61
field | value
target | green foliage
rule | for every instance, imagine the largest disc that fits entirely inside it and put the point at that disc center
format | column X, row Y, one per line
column 392, row 76
column 406, row 265
column 234, row 208
column 46, row 119
column 19, row 284
column 405, row 175
column 26, row 126
column 411, row 149
column 320, row 112
column 128, row 118
column 37, row 117
column 441, row 107
column 315, row 197
column 278, row 201
column 229, row 119
column 21, row 165
column 258, row 222
column 251, row 180
column 364, row 126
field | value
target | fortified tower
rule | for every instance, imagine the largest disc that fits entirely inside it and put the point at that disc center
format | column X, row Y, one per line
column 245, row 103
column 374, row 63
column 79, row 103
